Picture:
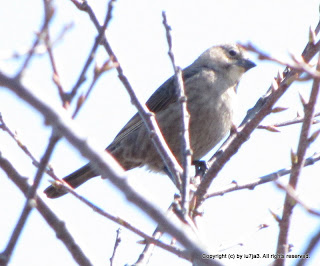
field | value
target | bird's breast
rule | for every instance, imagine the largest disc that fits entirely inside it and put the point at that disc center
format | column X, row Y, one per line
column 210, row 119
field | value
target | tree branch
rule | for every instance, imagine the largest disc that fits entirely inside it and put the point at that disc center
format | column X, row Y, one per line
column 147, row 116
column 6, row 254
column 260, row 180
column 57, row 225
column 297, row 165
column 105, row 165
column 185, row 118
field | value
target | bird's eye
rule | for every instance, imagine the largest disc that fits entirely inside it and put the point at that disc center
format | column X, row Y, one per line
column 232, row 53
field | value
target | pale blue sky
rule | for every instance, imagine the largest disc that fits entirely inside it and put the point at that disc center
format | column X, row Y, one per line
column 138, row 38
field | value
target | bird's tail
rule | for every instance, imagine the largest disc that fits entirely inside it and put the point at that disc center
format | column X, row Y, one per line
column 75, row 179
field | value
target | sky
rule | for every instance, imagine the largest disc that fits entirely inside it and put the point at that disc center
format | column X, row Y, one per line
column 138, row 38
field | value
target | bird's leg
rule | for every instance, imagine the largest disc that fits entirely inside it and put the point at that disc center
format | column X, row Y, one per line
column 200, row 167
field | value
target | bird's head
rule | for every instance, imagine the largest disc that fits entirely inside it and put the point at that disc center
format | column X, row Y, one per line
column 228, row 59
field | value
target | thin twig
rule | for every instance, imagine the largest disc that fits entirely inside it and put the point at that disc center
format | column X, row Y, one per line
column 116, row 245
column 149, row 247
column 49, row 170
column 298, row 65
column 260, row 180
column 293, row 194
column 242, row 242
column 15, row 137
column 310, row 248
column 55, row 76
column 146, row 254
column 127, row 225
column 40, row 49
column 97, row 74
column 185, row 118
column 48, row 11
column 296, row 120
column 298, row 160
column 99, row 38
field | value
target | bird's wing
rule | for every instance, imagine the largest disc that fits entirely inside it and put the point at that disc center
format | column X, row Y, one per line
column 165, row 95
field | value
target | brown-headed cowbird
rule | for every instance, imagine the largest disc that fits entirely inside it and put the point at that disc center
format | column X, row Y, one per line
column 210, row 86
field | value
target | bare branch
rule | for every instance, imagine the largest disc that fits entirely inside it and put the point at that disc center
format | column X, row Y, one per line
column 293, row 194
column 105, row 165
column 116, row 244
column 15, row 137
column 108, row 65
column 55, row 76
column 30, row 201
column 57, row 225
column 48, row 11
column 241, row 242
column 40, row 49
column 63, row 185
column 149, row 247
column 310, row 248
column 150, row 240
column 298, row 64
column 296, row 120
column 99, row 38
column 260, row 180
column 148, row 118
column 297, row 166
column 185, row 118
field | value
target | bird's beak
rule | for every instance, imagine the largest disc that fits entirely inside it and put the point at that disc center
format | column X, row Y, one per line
column 246, row 64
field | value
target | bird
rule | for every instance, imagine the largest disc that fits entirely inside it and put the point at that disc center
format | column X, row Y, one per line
column 210, row 84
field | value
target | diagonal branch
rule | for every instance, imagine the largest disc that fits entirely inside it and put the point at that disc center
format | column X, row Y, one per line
column 147, row 116
column 55, row 75
column 185, row 118
column 57, row 225
column 294, row 196
column 48, row 11
column 150, row 240
column 106, row 166
column 297, row 165
column 92, row 53
column 6, row 255
column 310, row 248
column 260, row 180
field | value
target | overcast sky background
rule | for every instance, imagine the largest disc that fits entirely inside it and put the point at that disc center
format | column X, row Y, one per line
column 138, row 38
